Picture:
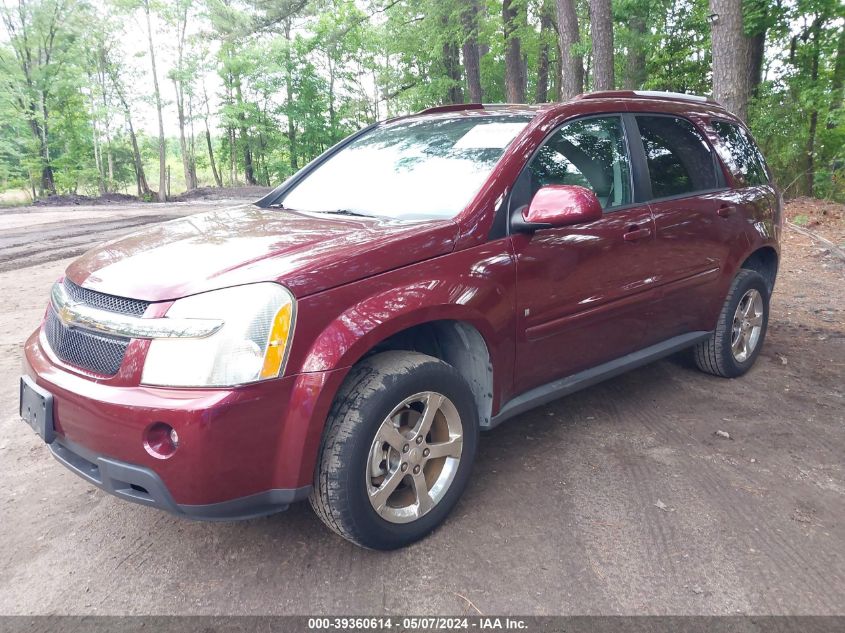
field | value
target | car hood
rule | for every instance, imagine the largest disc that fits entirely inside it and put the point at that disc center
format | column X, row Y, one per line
column 306, row 252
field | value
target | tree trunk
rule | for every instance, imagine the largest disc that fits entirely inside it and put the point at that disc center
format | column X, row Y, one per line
column 140, row 176
column 187, row 159
column 546, row 28
column 810, row 173
column 233, row 161
column 514, row 77
column 332, row 111
column 731, row 56
column 95, row 137
column 294, row 163
column 471, row 52
column 249, row 172
column 838, row 81
column 101, row 78
column 48, row 183
column 635, row 59
column 451, row 65
column 756, row 53
column 601, row 32
column 214, row 171
column 571, row 63
column 138, row 164
column 179, row 89
column 453, row 71
column 162, row 143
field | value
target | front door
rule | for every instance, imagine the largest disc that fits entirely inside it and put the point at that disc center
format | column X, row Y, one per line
column 583, row 291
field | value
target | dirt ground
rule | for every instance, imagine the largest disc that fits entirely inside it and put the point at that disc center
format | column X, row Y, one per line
column 618, row 500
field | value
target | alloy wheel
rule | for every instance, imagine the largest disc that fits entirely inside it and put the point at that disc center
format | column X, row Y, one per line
column 414, row 457
column 747, row 325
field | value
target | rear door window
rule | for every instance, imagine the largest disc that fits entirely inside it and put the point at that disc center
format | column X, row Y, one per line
column 588, row 152
column 679, row 160
column 740, row 154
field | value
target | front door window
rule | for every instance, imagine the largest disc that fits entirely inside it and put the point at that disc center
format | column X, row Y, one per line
column 590, row 153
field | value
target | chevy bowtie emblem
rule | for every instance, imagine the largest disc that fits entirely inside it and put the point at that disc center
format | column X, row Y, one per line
column 66, row 311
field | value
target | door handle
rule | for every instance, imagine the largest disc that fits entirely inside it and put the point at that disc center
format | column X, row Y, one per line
column 635, row 233
column 726, row 210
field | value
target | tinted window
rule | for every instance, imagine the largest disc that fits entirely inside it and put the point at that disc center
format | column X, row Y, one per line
column 740, row 154
column 590, row 153
column 679, row 159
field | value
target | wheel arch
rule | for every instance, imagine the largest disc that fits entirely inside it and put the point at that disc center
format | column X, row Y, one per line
column 455, row 342
column 764, row 261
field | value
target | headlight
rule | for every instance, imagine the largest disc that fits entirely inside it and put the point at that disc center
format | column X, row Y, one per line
column 252, row 344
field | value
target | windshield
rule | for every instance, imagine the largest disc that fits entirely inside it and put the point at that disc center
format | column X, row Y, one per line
column 428, row 168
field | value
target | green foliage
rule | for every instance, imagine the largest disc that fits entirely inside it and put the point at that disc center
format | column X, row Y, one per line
column 277, row 83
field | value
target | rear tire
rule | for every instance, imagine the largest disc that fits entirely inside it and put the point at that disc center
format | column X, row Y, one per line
column 397, row 450
column 740, row 331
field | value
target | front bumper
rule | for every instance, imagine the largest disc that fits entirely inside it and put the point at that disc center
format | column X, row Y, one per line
column 243, row 452
column 144, row 486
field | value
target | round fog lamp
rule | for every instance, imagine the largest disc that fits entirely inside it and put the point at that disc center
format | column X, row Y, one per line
column 161, row 440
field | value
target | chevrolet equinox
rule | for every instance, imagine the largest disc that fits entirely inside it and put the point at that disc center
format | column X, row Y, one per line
column 347, row 337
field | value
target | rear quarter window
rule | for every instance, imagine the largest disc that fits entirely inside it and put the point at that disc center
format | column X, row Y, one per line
column 740, row 154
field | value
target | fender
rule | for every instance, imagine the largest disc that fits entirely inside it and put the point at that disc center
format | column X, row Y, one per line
column 476, row 286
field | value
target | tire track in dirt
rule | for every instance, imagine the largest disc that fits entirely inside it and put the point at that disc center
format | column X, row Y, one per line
column 785, row 560
column 626, row 411
column 49, row 242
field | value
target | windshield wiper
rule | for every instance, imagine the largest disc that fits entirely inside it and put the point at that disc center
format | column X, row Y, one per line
column 348, row 212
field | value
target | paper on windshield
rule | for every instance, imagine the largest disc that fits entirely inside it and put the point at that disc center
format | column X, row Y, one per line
column 489, row 136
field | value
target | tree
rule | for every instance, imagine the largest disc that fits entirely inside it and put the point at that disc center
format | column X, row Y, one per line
column 547, row 35
column 217, row 179
column 111, row 68
column 162, row 142
column 512, row 15
column 601, row 33
column 471, row 51
column 296, row 76
column 181, row 76
column 41, row 45
column 731, row 56
column 571, row 61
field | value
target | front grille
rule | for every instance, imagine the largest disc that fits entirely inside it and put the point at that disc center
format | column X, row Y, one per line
column 102, row 301
column 97, row 353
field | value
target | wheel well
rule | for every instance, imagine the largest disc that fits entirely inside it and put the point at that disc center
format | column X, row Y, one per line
column 765, row 262
column 456, row 343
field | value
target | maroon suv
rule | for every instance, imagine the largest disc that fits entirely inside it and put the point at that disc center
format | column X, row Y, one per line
column 345, row 339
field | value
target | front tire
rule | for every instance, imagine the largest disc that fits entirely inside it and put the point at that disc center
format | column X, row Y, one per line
column 738, row 338
column 397, row 450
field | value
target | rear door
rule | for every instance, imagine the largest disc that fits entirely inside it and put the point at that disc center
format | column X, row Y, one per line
column 582, row 290
column 695, row 219
column 757, row 199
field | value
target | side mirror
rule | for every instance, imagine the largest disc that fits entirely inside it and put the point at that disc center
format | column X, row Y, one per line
column 559, row 205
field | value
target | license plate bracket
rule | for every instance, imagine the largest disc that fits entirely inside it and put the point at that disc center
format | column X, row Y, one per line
column 36, row 409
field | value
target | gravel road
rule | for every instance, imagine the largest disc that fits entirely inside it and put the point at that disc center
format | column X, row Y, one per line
column 621, row 499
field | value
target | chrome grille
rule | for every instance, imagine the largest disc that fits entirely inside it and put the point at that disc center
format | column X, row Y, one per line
column 132, row 307
column 96, row 353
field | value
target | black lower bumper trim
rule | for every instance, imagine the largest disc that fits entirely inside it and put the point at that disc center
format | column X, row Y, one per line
column 142, row 485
